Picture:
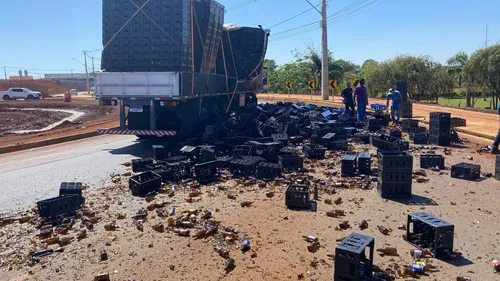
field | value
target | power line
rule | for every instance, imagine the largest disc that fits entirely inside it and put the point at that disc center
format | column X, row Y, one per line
column 240, row 5
column 289, row 19
column 36, row 69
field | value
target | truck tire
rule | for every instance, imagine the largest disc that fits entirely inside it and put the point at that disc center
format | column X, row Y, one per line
column 6, row 97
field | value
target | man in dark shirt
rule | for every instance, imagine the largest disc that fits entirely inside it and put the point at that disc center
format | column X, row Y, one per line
column 348, row 98
column 361, row 96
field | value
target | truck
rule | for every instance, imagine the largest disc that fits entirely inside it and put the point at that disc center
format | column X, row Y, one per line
column 172, row 89
column 20, row 93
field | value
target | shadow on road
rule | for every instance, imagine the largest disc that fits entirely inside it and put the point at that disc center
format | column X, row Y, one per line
column 138, row 149
column 416, row 200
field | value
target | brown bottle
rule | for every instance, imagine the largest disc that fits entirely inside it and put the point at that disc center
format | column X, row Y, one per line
column 344, row 225
column 313, row 247
column 383, row 229
column 182, row 232
column 110, row 226
column 335, row 213
column 464, row 278
column 187, row 224
column 158, row 227
column 201, row 233
column 81, row 234
column 390, row 251
column 51, row 240
column 363, row 224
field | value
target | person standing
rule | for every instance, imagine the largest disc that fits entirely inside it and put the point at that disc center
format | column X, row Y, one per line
column 348, row 98
column 496, row 143
column 361, row 98
column 395, row 97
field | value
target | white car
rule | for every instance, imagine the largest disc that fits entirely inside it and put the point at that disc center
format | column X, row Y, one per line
column 73, row 92
column 20, row 93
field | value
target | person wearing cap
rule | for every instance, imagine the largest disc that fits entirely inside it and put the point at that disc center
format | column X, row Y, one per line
column 361, row 96
column 348, row 99
column 395, row 97
column 496, row 143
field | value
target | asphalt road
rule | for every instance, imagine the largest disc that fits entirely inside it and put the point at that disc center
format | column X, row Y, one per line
column 32, row 175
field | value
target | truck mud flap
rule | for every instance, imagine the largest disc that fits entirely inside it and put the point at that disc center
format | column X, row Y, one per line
column 159, row 133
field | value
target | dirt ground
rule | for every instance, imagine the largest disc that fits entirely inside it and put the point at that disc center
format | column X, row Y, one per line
column 15, row 119
column 95, row 117
column 278, row 251
column 478, row 122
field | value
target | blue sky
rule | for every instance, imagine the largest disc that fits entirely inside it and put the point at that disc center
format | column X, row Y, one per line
column 45, row 36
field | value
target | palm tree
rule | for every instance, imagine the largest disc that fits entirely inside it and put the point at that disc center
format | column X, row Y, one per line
column 456, row 64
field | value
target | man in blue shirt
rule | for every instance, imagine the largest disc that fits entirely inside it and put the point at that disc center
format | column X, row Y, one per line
column 495, row 149
column 395, row 97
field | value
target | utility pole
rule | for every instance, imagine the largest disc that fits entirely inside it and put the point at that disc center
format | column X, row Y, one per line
column 93, row 73
column 324, row 64
column 5, row 72
column 86, row 72
column 486, row 40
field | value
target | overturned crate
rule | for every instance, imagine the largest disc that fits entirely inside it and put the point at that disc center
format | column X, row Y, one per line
column 291, row 162
column 246, row 166
column 159, row 152
column 57, row 206
column 351, row 260
column 419, row 138
column 266, row 170
column 426, row 231
column 385, row 142
column 466, row 171
column 314, row 151
column 144, row 183
column 178, row 171
column 428, row 161
column 297, row 196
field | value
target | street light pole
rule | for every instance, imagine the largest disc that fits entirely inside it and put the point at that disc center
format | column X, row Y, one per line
column 86, row 72
column 324, row 64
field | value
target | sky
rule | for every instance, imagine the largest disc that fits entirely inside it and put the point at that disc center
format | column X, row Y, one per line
column 50, row 36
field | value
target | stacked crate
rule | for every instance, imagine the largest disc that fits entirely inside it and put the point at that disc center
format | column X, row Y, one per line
column 349, row 165
column 406, row 109
column 158, row 37
column 395, row 174
column 439, row 128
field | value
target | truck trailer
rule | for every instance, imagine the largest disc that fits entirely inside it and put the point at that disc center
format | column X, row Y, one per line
column 172, row 65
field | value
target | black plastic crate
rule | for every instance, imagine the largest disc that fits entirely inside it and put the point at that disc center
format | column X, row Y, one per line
column 439, row 116
column 57, row 206
column 144, row 183
column 374, row 128
column 419, row 138
column 245, row 167
column 466, row 171
column 406, row 109
column 394, row 189
column 395, row 133
column 362, row 138
column 297, row 196
column 431, row 161
column 139, row 165
column 409, row 123
column 159, row 152
column 497, row 168
column 365, row 163
column 314, row 151
column 206, row 172
column 395, row 160
column 458, row 122
column 206, row 155
column 291, row 162
column 415, row 130
column 67, row 188
column 266, row 170
column 351, row 131
column 426, row 231
column 378, row 122
column 385, row 142
column 287, row 151
column 441, row 141
column 178, row 171
column 352, row 262
column 349, row 166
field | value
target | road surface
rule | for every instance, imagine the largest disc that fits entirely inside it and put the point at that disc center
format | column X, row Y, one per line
column 32, row 175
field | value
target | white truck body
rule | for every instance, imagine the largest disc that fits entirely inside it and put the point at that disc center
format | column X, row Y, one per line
column 137, row 84
column 20, row 93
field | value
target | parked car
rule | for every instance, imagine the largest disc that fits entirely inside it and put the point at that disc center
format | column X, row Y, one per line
column 20, row 93
column 73, row 92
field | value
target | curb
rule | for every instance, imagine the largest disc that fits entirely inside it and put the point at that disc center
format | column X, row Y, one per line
column 24, row 146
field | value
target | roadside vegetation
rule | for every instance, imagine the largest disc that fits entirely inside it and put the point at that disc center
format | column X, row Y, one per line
column 464, row 81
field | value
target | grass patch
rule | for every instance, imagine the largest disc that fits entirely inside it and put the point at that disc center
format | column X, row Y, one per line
column 480, row 103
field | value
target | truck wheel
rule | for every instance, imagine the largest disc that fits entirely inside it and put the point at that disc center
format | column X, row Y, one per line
column 6, row 97
column 30, row 97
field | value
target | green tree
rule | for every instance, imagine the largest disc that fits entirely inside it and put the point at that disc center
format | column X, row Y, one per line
column 456, row 64
column 367, row 70
column 482, row 70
